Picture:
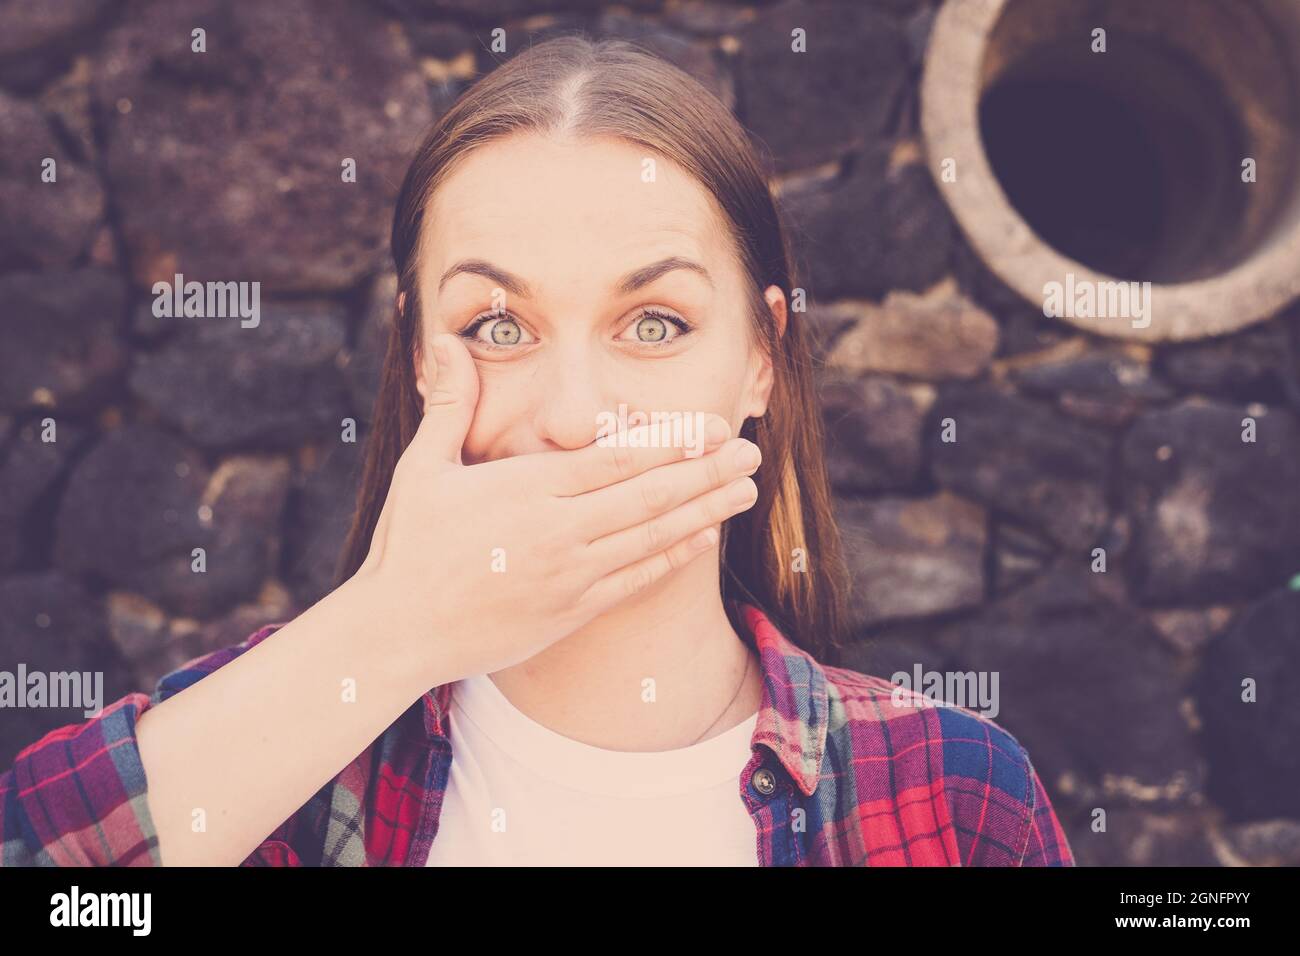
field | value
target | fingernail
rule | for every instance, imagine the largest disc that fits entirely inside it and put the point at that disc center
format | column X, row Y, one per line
column 440, row 348
column 748, row 456
column 745, row 493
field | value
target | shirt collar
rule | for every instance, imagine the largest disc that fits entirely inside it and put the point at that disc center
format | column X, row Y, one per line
column 792, row 718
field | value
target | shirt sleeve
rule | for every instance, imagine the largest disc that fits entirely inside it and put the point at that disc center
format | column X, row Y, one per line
column 77, row 796
column 1045, row 843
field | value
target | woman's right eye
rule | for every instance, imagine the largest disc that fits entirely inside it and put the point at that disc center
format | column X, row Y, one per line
column 502, row 331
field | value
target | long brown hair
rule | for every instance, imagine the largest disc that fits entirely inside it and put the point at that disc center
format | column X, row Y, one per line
column 783, row 554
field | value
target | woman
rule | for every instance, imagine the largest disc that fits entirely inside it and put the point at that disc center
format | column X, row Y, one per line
column 586, row 231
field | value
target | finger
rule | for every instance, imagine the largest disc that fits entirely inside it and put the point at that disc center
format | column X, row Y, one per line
column 659, row 490
column 625, row 582
column 625, row 454
column 658, row 534
column 450, row 399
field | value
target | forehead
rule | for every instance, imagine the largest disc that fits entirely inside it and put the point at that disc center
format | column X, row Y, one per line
column 564, row 210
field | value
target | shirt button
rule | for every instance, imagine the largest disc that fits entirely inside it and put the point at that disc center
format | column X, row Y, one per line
column 764, row 781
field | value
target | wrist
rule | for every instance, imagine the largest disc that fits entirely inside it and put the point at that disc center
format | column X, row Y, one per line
column 391, row 626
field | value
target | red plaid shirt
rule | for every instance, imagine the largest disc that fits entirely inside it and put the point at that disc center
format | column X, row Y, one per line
column 838, row 776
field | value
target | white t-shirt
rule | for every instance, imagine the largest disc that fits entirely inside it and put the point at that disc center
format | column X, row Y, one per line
column 522, row 795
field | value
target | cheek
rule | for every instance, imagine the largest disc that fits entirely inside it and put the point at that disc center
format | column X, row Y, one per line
column 707, row 379
column 502, row 405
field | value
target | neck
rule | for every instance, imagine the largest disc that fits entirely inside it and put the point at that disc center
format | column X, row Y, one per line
column 650, row 674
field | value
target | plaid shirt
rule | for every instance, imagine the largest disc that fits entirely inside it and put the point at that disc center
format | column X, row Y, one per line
column 838, row 776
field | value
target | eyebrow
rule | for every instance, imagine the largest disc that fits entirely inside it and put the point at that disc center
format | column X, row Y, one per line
column 516, row 286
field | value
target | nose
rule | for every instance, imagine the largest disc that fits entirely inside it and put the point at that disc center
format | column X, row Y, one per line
column 573, row 390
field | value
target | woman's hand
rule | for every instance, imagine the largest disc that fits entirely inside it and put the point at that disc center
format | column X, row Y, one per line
column 483, row 566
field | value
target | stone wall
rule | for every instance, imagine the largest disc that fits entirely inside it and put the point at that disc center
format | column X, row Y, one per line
column 974, row 554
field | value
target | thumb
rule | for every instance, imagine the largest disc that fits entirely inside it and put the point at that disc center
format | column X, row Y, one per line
column 451, row 398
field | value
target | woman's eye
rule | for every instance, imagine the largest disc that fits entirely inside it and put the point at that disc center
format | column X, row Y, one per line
column 652, row 328
column 502, row 331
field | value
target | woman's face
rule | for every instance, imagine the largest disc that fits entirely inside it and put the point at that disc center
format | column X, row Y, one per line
column 580, row 279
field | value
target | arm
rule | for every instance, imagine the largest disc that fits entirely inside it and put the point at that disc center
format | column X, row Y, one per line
column 248, row 743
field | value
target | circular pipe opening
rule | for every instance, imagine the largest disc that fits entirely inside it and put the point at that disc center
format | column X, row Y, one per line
column 1126, row 164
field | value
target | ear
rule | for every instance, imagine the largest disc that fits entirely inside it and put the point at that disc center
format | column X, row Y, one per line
column 761, row 388
column 775, row 299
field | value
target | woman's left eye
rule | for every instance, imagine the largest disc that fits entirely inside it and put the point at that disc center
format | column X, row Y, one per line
column 655, row 328
column 503, row 329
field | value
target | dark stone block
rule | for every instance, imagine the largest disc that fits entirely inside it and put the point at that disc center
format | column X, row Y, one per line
column 1137, row 837
column 918, row 27
column 873, row 433
column 1215, row 518
column 42, row 225
column 226, row 165
column 272, row 385
column 140, row 502
column 29, row 467
column 324, row 504
column 1254, row 759
column 878, row 229
column 826, row 323
column 440, row 40
column 841, row 94
column 1106, row 386
column 1024, row 459
column 912, row 558
column 49, row 623
column 894, row 649
column 60, row 334
column 33, row 26
column 40, row 38
column 1252, row 365
column 707, row 17
column 130, row 507
column 689, row 55
column 521, row 34
column 1089, row 690
column 156, row 646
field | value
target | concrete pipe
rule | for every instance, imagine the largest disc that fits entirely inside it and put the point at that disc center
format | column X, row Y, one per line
column 1110, row 143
